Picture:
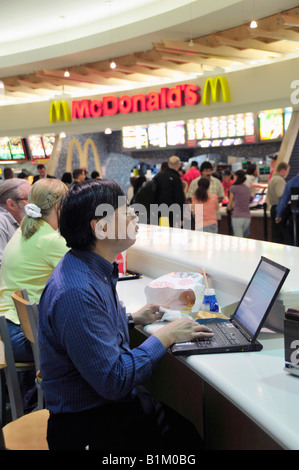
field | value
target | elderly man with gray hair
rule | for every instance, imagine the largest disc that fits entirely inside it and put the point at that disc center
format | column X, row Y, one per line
column 13, row 198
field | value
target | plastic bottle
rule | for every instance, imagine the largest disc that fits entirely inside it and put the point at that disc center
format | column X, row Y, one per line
column 209, row 301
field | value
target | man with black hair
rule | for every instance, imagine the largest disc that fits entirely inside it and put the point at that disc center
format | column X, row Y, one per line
column 91, row 378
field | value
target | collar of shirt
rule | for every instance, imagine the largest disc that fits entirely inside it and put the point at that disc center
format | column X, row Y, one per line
column 8, row 215
column 99, row 265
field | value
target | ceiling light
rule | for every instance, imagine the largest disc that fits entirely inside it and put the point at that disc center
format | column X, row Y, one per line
column 1, row 84
column 108, row 130
column 191, row 43
column 113, row 65
column 66, row 73
column 253, row 24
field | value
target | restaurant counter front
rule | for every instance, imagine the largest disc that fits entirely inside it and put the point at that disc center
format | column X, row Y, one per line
column 236, row 400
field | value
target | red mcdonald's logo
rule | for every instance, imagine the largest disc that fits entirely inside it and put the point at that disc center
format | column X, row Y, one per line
column 175, row 97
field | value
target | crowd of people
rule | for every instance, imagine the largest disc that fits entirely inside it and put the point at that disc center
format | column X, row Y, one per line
column 52, row 245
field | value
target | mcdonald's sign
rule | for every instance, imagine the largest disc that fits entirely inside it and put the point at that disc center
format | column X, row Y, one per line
column 59, row 111
column 212, row 87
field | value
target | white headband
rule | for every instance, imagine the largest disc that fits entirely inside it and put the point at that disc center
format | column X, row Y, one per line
column 33, row 211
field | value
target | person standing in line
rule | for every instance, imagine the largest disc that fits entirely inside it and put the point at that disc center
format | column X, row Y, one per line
column 275, row 191
column 169, row 191
column 238, row 202
column 283, row 209
column 191, row 174
column 215, row 186
column 210, row 205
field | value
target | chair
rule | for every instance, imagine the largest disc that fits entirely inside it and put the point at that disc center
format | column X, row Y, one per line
column 26, row 433
column 28, row 315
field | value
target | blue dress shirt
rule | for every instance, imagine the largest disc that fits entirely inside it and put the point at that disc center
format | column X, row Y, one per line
column 286, row 196
column 86, row 360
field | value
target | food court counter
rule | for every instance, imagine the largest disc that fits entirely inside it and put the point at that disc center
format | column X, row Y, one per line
column 236, row 400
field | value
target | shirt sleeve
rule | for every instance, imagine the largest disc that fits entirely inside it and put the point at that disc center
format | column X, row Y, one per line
column 56, row 249
column 94, row 346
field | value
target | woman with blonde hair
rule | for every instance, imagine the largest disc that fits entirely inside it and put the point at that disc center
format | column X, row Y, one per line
column 30, row 257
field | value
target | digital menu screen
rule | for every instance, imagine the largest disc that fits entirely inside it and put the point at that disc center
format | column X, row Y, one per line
column 36, row 146
column 287, row 117
column 157, row 134
column 176, row 133
column 48, row 142
column 135, row 137
column 141, row 137
column 271, row 124
column 17, row 148
column 5, row 153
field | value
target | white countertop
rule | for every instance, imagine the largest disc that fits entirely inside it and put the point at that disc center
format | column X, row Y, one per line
column 229, row 262
column 255, row 382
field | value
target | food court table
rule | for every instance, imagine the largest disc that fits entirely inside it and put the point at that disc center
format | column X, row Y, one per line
column 236, row 400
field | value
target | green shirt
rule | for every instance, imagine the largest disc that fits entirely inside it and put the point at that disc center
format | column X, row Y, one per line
column 28, row 264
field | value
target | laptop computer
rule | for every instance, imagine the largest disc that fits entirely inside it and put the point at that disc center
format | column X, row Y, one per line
column 239, row 333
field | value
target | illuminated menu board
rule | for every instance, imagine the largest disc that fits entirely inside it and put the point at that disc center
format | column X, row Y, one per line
column 271, row 124
column 157, row 134
column 176, row 133
column 12, row 148
column 48, row 142
column 36, row 146
column 17, row 148
column 287, row 117
column 135, row 137
column 235, row 125
column 4, row 149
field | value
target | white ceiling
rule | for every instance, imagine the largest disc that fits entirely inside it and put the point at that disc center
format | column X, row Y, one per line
column 53, row 34
column 46, row 33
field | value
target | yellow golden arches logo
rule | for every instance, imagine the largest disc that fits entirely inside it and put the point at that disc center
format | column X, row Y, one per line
column 83, row 154
column 213, row 86
column 59, row 111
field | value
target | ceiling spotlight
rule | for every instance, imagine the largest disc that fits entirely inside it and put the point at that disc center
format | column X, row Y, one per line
column 191, row 43
column 108, row 130
column 66, row 73
column 253, row 24
column 113, row 65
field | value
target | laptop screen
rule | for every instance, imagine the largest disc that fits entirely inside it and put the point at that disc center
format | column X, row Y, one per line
column 260, row 294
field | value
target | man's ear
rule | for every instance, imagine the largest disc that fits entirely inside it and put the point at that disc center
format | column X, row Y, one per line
column 99, row 227
column 10, row 203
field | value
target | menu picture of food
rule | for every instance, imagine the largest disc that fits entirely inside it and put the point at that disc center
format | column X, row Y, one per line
column 271, row 124
column 5, row 153
column 48, row 141
column 36, row 146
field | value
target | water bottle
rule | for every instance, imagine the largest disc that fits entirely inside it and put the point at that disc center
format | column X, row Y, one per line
column 209, row 301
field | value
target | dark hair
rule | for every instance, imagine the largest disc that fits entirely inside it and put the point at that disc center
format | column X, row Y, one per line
column 79, row 209
column 201, row 194
column 95, row 174
column 241, row 177
column 77, row 172
column 66, row 178
column 206, row 166
column 251, row 168
column 40, row 166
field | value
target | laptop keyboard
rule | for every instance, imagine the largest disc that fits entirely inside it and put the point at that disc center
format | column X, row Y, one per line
column 222, row 336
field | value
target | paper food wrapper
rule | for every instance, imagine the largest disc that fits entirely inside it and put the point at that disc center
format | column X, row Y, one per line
column 178, row 291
